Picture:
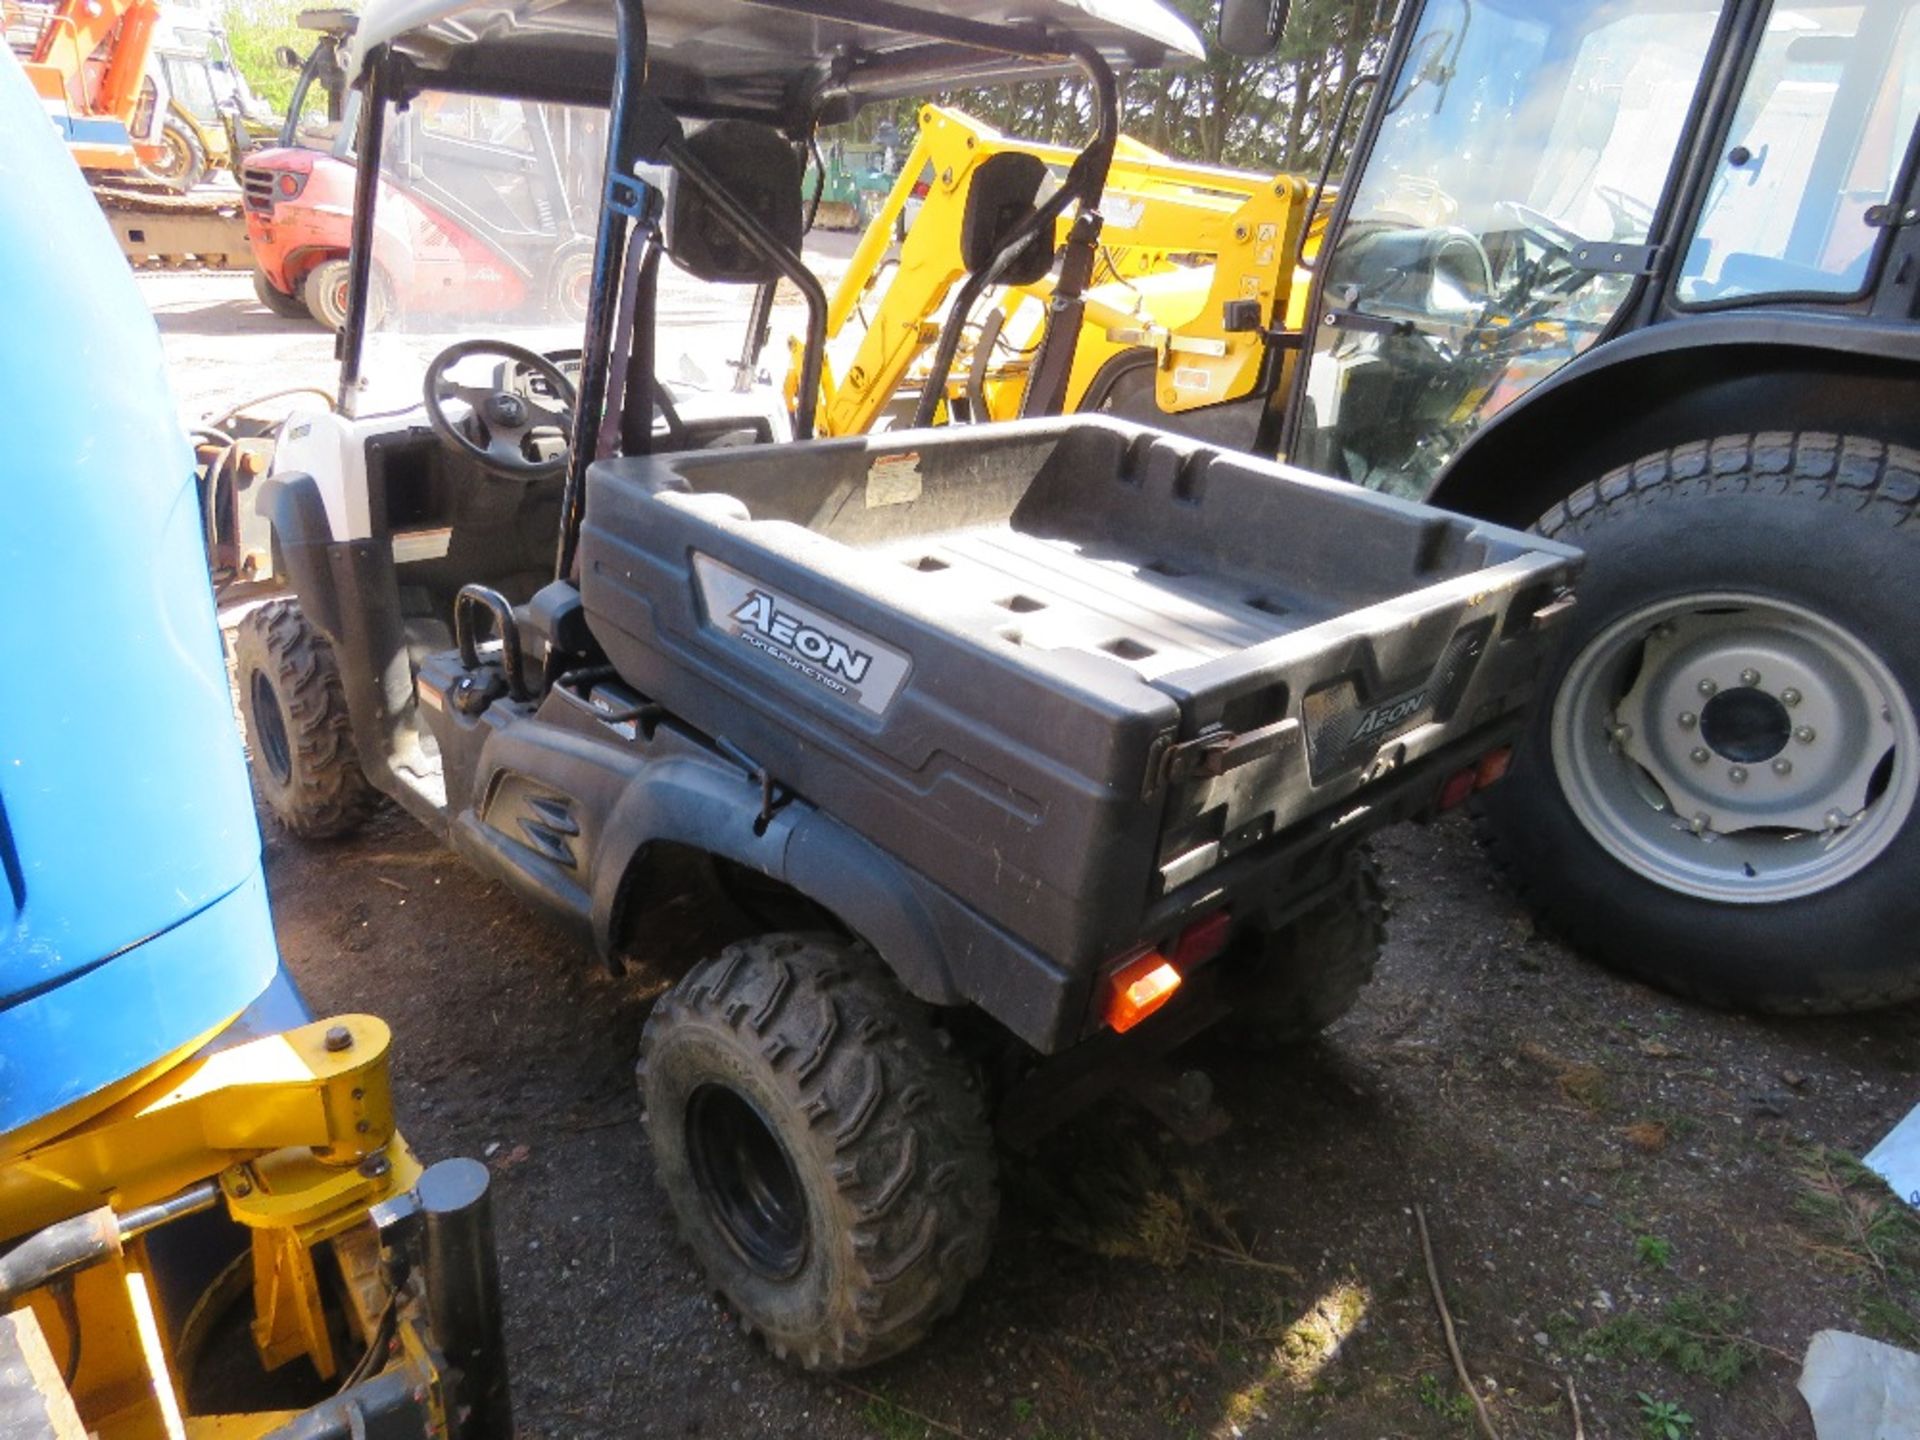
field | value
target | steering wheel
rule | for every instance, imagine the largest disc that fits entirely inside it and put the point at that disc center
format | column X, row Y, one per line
column 1631, row 215
column 1548, row 230
column 505, row 419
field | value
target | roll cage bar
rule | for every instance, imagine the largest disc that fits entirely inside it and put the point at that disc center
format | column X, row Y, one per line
column 644, row 112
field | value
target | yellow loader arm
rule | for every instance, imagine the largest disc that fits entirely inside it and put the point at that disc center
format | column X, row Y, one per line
column 1180, row 242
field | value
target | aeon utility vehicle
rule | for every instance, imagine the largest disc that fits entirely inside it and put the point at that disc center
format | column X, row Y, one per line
column 1034, row 749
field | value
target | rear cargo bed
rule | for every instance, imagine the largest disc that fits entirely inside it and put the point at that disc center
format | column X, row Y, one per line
column 1062, row 667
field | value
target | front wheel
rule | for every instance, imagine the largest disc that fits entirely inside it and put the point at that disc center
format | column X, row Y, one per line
column 276, row 300
column 825, row 1153
column 325, row 290
column 1719, row 795
column 299, row 740
column 184, row 163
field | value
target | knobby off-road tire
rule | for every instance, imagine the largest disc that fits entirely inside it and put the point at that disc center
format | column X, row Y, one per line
column 289, row 307
column 299, row 742
column 1308, row 975
column 1724, row 573
column 827, row 1157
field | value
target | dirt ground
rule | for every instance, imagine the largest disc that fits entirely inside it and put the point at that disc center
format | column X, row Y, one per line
column 1631, row 1199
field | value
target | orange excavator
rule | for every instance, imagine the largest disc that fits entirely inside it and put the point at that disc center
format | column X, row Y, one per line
column 89, row 61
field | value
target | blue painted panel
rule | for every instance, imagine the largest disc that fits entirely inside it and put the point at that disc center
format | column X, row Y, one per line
column 126, row 805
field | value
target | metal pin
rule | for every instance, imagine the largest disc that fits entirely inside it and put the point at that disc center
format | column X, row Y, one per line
column 1789, row 696
column 1738, row 774
column 1688, row 719
column 1804, row 734
column 1701, row 754
column 1783, row 766
column 1707, row 687
column 1749, row 677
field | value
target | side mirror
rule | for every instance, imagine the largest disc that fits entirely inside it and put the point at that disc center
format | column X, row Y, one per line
column 1000, row 197
column 287, row 58
column 760, row 173
column 1251, row 28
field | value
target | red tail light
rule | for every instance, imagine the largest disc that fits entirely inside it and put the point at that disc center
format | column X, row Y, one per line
column 1202, row 940
column 921, row 189
column 1457, row 787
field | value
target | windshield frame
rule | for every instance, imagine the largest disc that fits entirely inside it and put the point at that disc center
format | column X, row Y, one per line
column 1282, row 428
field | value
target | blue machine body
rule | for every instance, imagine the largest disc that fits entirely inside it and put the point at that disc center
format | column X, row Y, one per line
column 133, row 911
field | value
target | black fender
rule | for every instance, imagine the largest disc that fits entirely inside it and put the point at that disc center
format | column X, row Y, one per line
column 1687, row 379
column 940, row 950
column 296, row 519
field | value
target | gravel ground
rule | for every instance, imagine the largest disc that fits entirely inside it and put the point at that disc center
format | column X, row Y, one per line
column 1628, row 1195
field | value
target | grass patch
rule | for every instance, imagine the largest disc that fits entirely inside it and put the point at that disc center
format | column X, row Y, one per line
column 1113, row 1195
column 1697, row 1334
column 1850, row 1219
column 1653, row 1251
column 1444, row 1399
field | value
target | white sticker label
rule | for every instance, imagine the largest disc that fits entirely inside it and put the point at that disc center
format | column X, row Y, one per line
column 1191, row 377
column 1122, row 212
column 893, row 479
column 834, row 656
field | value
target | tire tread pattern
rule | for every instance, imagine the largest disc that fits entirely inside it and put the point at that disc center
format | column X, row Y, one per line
column 897, row 1121
column 328, row 794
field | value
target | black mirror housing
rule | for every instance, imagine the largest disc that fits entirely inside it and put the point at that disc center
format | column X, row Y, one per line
column 1251, row 29
column 1000, row 197
column 759, row 170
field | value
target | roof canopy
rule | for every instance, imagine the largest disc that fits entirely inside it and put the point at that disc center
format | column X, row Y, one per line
column 770, row 59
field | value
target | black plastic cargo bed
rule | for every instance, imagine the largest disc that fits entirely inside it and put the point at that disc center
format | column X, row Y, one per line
column 1062, row 667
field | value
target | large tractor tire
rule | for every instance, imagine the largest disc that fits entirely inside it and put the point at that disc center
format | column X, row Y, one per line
column 1719, row 796
column 299, row 741
column 185, row 162
column 1299, row 980
column 826, row 1155
column 289, row 307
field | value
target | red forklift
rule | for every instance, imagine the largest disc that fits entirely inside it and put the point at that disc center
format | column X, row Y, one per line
column 482, row 201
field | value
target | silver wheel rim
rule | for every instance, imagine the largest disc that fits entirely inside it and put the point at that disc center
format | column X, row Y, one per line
column 1736, row 748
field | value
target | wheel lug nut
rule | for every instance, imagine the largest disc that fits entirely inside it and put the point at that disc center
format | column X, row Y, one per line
column 1688, row 719
column 1621, row 734
column 1749, row 677
column 1783, row 766
column 1789, row 696
column 1707, row 687
column 1804, row 734
column 1701, row 754
column 1738, row 774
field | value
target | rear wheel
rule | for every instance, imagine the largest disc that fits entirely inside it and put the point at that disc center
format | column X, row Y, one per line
column 1303, row 978
column 299, row 740
column 292, row 307
column 825, row 1153
column 184, row 165
column 1720, row 796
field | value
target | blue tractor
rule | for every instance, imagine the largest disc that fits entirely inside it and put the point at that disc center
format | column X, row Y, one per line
column 176, row 1131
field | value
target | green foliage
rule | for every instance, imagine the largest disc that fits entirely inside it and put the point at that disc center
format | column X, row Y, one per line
column 254, row 29
column 1443, row 1400
column 1664, row 1420
column 890, row 1422
column 1653, row 1252
column 1263, row 115
column 1697, row 1334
